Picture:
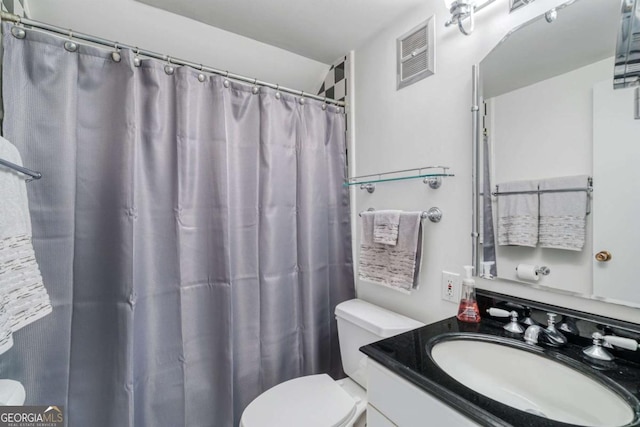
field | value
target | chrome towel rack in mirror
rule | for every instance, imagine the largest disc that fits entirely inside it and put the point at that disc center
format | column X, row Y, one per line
column 30, row 173
column 588, row 189
column 434, row 214
column 427, row 173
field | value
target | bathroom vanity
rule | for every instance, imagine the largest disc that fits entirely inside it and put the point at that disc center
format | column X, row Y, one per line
column 411, row 384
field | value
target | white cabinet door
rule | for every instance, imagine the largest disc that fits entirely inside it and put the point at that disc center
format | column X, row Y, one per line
column 376, row 419
column 406, row 405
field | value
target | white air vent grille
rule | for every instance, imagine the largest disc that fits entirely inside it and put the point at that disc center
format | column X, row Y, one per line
column 416, row 53
column 414, row 65
column 413, row 42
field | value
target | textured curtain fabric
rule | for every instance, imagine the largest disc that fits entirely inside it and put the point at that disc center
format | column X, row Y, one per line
column 194, row 238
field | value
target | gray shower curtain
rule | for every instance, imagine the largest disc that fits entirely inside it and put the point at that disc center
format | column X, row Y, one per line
column 194, row 238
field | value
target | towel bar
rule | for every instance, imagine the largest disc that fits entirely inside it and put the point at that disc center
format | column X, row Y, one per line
column 21, row 169
column 434, row 214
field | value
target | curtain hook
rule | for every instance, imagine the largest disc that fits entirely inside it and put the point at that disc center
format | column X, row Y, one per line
column 201, row 76
column 18, row 32
column 278, row 91
column 324, row 103
column 226, row 79
column 255, row 89
column 116, row 54
column 70, row 45
column 301, row 98
column 169, row 69
column 136, row 59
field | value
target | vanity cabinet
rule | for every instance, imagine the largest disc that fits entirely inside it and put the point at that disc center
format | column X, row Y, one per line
column 394, row 401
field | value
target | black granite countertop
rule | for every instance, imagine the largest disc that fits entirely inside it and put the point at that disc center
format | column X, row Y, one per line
column 407, row 355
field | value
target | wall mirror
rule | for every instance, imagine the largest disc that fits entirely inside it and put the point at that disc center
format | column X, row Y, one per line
column 548, row 109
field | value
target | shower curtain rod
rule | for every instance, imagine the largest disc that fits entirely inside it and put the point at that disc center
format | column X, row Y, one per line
column 4, row 16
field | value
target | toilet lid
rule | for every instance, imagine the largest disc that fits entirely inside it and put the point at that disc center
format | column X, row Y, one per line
column 311, row 401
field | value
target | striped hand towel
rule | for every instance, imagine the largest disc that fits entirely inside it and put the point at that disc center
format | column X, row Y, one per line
column 21, row 287
column 518, row 214
column 563, row 215
column 396, row 267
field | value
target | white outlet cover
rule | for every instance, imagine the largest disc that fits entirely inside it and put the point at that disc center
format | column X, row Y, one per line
column 450, row 287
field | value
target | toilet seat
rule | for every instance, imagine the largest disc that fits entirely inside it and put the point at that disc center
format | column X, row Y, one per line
column 311, row 401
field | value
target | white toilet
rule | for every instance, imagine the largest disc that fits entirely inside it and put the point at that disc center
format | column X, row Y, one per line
column 318, row 400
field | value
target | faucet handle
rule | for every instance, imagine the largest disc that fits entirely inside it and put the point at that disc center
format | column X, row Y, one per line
column 596, row 351
column 497, row 312
column 626, row 343
column 512, row 326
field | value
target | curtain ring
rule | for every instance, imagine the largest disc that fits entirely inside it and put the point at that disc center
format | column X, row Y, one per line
column 136, row 59
column 169, row 69
column 226, row 74
column 201, row 77
column 278, row 91
column 255, row 89
column 226, row 80
column 324, row 103
column 18, row 32
column 116, row 55
column 70, row 45
column 301, row 101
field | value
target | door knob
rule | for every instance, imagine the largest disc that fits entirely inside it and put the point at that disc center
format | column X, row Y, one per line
column 603, row 256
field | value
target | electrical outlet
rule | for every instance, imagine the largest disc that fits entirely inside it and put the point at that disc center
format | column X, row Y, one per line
column 451, row 286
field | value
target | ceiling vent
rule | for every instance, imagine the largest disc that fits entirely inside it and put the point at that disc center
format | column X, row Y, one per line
column 416, row 53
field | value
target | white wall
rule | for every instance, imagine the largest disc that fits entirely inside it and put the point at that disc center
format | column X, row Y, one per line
column 430, row 123
column 153, row 29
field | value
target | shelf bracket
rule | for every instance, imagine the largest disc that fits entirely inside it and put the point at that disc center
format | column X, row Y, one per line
column 369, row 187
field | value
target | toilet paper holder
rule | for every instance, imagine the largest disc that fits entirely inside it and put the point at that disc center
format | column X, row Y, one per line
column 543, row 270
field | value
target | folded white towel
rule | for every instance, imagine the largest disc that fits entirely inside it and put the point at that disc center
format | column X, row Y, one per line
column 21, row 287
column 518, row 214
column 396, row 267
column 385, row 227
column 563, row 214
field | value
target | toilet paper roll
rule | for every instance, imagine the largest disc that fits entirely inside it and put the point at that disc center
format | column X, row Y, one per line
column 527, row 272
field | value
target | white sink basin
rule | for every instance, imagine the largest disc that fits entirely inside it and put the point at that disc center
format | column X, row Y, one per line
column 532, row 383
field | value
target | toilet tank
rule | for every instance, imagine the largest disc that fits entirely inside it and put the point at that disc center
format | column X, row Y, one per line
column 361, row 323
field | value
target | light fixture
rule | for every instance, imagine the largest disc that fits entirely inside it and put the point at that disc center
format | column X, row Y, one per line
column 463, row 9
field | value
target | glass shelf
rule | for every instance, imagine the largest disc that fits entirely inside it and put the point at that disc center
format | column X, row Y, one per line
column 427, row 174
column 374, row 181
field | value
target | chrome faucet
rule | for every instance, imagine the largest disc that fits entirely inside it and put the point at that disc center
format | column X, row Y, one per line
column 549, row 335
column 597, row 352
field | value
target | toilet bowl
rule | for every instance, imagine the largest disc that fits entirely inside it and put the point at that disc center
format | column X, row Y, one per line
column 319, row 400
